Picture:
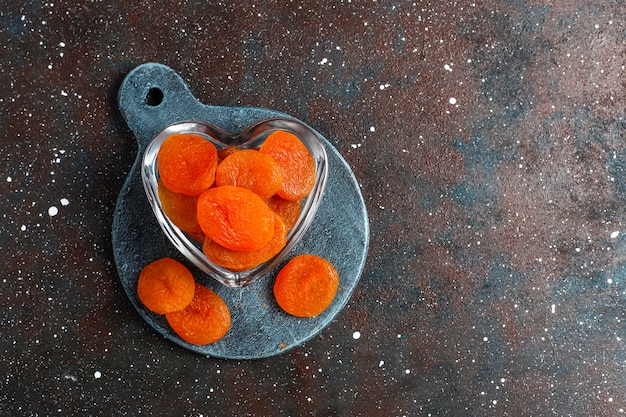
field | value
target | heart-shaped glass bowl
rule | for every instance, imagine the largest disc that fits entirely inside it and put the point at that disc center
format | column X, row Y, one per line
column 250, row 138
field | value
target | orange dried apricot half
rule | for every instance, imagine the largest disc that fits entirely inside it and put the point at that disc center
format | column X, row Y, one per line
column 296, row 162
column 306, row 285
column 242, row 260
column 205, row 320
column 235, row 218
column 187, row 163
column 181, row 210
column 288, row 210
column 250, row 169
column 165, row 285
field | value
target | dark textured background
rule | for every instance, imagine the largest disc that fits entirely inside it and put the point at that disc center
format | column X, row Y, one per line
column 489, row 141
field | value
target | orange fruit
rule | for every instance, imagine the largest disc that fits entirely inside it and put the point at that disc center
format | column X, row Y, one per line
column 306, row 285
column 181, row 210
column 288, row 210
column 187, row 163
column 165, row 285
column 250, row 169
column 296, row 162
column 205, row 320
column 235, row 218
column 241, row 260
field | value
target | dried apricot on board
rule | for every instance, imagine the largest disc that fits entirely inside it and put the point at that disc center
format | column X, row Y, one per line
column 181, row 210
column 295, row 160
column 250, row 169
column 205, row 320
column 165, row 285
column 288, row 210
column 235, row 218
column 187, row 163
column 306, row 285
column 242, row 260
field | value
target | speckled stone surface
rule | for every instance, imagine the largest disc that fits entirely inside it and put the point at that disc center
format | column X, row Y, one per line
column 488, row 140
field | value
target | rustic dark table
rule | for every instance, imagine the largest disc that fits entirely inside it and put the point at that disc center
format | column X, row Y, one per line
column 488, row 139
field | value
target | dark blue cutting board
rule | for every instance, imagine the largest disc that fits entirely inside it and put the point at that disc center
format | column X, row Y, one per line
column 152, row 97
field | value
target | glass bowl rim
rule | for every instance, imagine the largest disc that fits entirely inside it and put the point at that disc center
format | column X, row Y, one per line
column 249, row 138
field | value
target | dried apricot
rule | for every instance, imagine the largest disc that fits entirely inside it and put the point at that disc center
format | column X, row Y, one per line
column 165, row 285
column 235, row 218
column 187, row 163
column 250, row 169
column 306, row 285
column 295, row 160
column 288, row 210
column 181, row 210
column 205, row 320
column 242, row 260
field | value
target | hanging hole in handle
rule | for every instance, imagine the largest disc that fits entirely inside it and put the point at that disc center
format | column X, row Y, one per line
column 154, row 97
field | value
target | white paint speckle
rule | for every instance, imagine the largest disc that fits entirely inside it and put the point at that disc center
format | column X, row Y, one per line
column 452, row 100
column 65, row 201
column 323, row 61
column 553, row 308
column 615, row 234
column 23, row 228
column 53, row 211
column 372, row 129
column 9, row 179
column 97, row 374
column 381, row 363
column 356, row 335
column 447, row 67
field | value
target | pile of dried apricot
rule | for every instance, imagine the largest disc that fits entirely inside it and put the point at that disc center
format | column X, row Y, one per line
column 240, row 204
